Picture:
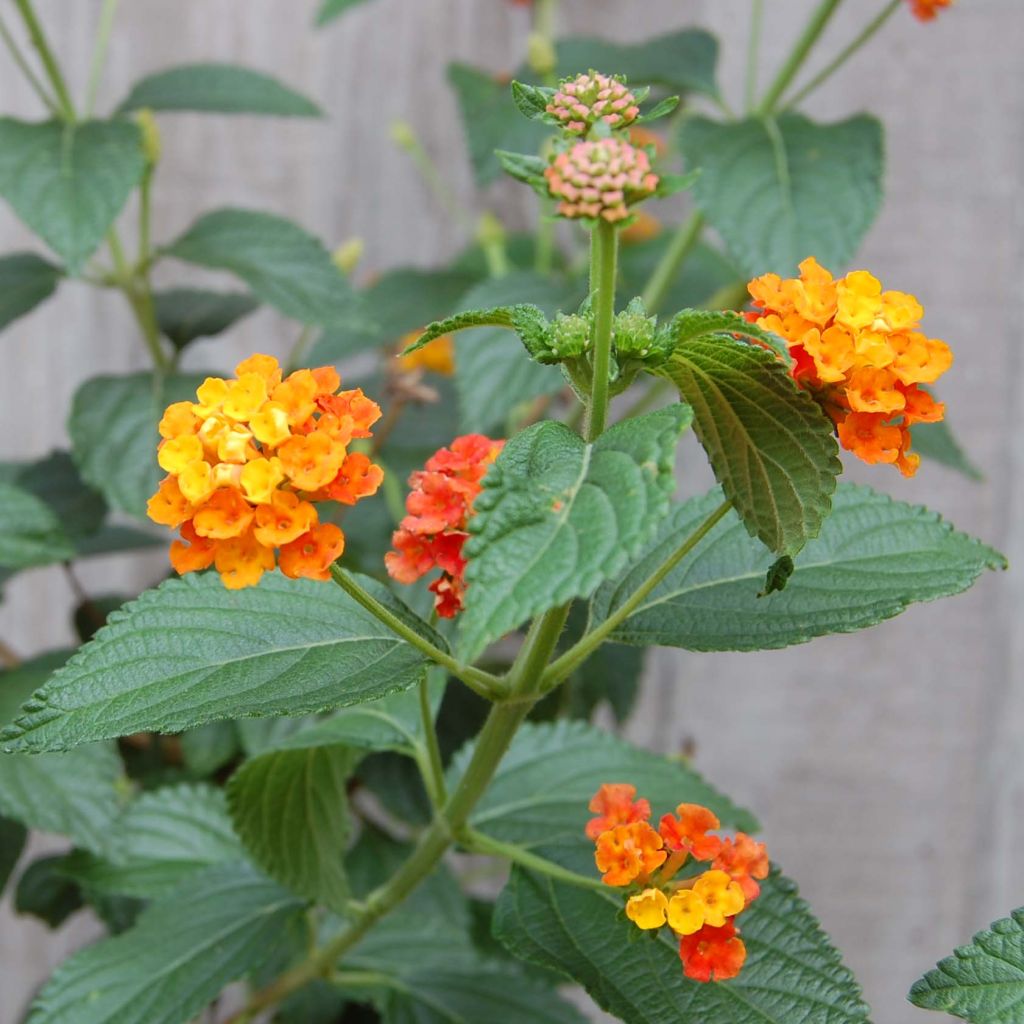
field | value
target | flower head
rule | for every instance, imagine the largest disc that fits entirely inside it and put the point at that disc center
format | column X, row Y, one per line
column 648, row 909
column 438, row 509
column 580, row 102
column 600, row 179
column 614, row 804
column 628, row 852
column 927, row 10
column 858, row 350
column 713, row 953
column 247, row 461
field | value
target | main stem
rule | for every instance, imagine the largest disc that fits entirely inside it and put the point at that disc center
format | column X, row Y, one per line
column 603, row 256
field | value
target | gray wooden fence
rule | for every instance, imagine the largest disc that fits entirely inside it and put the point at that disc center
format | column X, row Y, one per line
column 887, row 767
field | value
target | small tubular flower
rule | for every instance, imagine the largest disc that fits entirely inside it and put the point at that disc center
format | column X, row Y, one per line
column 857, row 350
column 247, row 460
column 439, row 506
column 580, row 102
column 701, row 908
column 601, row 179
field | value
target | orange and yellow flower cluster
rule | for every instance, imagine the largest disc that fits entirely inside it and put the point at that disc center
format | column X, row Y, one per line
column 247, row 460
column 700, row 909
column 438, row 508
column 859, row 351
column 926, row 10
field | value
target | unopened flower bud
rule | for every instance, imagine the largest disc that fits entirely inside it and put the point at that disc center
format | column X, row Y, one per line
column 570, row 335
column 151, row 147
column 347, row 256
column 584, row 100
column 540, row 54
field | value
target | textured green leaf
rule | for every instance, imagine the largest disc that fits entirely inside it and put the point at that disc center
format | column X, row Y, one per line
column 501, row 316
column 523, row 805
column 45, row 891
column 68, row 183
column 159, row 840
column 12, row 841
column 30, row 533
column 792, row 973
column 772, row 448
column 557, row 516
column 218, row 89
column 284, row 265
column 936, row 441
column 874, row 557
column 494, row 374
column 399, row 302
column 982, row 982
column 182, row 952
column 490, row 120
column 532, row 101
column 25, row 281
column 290, row 808
column 683, row 60
column 209, row 748
column 113, row 428
column 779, row 191
column 191, row 652
column 331, row 9
column 185, row 314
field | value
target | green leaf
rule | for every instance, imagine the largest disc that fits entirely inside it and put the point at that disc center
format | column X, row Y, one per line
column 182, row 952
column 185, row 314
column 30, row 534
column 290, row 809
column 191, row 652
column 399, row 302
column 331, row 9
column 779, row 191
column 557, row 516
column 683, row 60
column 159, row 840
column 45, row 891
column 12, row 841
column 792, row 972
column 68, row 183
column 25, row 281
column 495, row 376
column 218, row 89
column 523, row 806
column 770, row 445
column 532, row 101
column 528, row 321
column 284, row 265
column 936, row 441
column 209, row 748
column 982, row 982
column 525, row 168
column 874, row 557
column 113, row 428
column 490, row 120
column 660, row 110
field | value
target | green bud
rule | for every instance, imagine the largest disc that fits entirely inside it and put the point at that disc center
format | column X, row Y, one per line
column 150, row 136
column 347, row 256
column 570, row 336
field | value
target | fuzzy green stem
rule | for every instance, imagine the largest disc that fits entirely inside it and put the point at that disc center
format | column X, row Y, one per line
column 812, row 32
column 682, row 244
column 26, row 69
column 477, row 842
column 603, row 256
column 483, row 683
column 66, row 108
column 845, row 54
column 99, row 53
column 564, row 666
column 753, row 53
column 434, row 765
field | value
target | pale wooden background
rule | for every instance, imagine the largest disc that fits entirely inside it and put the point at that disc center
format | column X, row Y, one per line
column 887, row 767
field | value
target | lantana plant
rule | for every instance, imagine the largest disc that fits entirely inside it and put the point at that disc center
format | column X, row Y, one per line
column 395, row 603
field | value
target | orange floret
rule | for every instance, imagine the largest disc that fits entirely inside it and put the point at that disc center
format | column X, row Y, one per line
column 247, row 460
column 615, row 804
column 745, row 861
column 687, row 832
column 712, row 954
column 927, row 10
column 627, row 853
column 858, row 350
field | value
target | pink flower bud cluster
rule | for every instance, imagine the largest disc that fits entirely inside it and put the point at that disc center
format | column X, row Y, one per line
column 600, row 179
column 586, row 99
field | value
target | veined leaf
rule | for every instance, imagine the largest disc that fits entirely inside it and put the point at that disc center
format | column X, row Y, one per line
column 30, row 533
column 68, row 183
column 25, row 281
column 557, row 516
column 781, row 190
column 185, row 314
column 873, row 558
column 523, row 806
column 770, row 445
column 982, row 982
column 500, row 316
column 291, row 810
column 46, row 891
column 191, row 652
column 219, row 927
column 218, row 89
column 283, row 264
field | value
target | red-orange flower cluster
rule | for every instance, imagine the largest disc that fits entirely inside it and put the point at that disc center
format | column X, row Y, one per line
column 438, row 508
column 700, row 909
column 927, row 10
column 246, row 461
column 858, row 350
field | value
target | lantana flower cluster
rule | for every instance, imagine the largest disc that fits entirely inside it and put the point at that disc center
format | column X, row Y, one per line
column 439, row 506
column 579, row 103
column 701, row 908
column 858, row 349
column 247, row 461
